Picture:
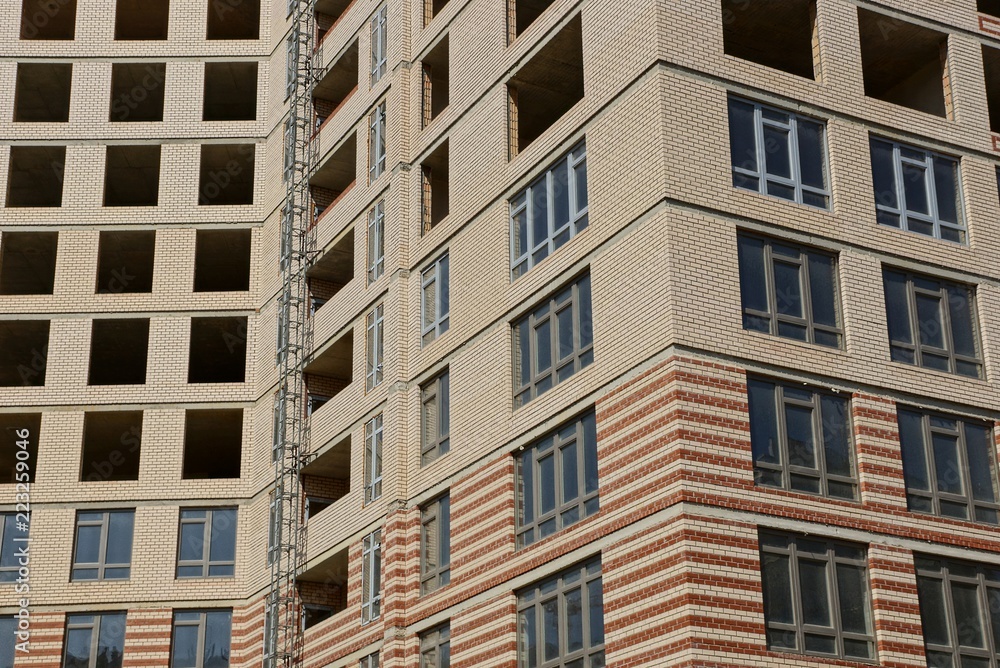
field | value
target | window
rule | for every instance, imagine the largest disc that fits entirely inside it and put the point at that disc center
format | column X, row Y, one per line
column 435, row 544
column 960, row 610
column 28, row 262
column 8, row 631
column 376, row 241
column 94, row 641
column 378, row 25
column 289, row 162
column 435, row 647
column 207, row 543
column 376, row 143
column 370, row 661
column 270, row 627
column 373, row 459
column 42, row 92
column 789, row 291
column 560, row 620
column 371, row 576
column 103, row 549
column 553, row 342
column 917, row 190
column 434, row 300
column 291, row 64
column 549, row 212
column 556, row 480
column 375, row 342
column 801, row 439
column 750, row 31
column 778, row 153
column 816, row 598
column 932, row 323
column 278, row 428
column 435, row 418
column 201, row 639
column 949, row 466
column 12, row 538
column 273, row 529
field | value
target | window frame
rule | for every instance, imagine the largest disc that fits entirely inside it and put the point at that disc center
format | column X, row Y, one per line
column 374, row 346
column 376, row 142
column 370, row 661
column 926, row 448
column 278, row 424
column 438, row 275
column 524, row 203
column 573, row 296
column 208, row 539
column 437, row 511
column 202, row 625
column 438, row 389
column 371, row 577
column 530, row 459
column 944, row 295
column 289, row 139
column 291, row 64
column 379, row 39
column 374, row 431
column 432, row 646
column 101, row 565
column 785, row 468
column 928, row 164
column 273, row 529
column 534, row 597
column 763, row 178
column 831, row 560
column 74, row 622
column 376, row 241
column 8, row 546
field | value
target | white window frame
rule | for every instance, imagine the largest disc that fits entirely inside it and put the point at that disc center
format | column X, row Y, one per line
column 374, row 429
column 438, row 275
column 371, row 567
column 375, row 346
column 376, row 143
column 376, row 241
column 379, row 35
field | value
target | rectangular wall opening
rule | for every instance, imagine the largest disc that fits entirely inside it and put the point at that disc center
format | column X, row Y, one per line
column 522, row 13
column 141, row 19
column 14, row 448
column 28, row 263
column 904, row 64
column 233, row 20
column 434, row 73
column 547, row 86
column 339, row 82
column 230, row 92
column 35, row 176
column 137, row 92
column 222, row 260
column 132, row 176
column 434, row 195
column 327, row 478
column 226, row 174
column 44, row 19
column 112, row 444
column 432, row 8
column 336, row 176
column 323, row 589
column 24, row 352
column 774, row 33
column 991, row 68
column 213, row 443
column 125, row 261
column 991, row 7
column 42, row 91
column 328, row 12
column 118, row 352
column 330, row 372
column 332, row 271
column 218, row 352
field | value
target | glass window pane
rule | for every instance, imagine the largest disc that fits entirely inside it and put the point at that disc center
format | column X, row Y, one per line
column 77, row 650
column 812, row 159
column 574, row 620
column 528, row 641
column 445, row 514
column 539, row 212
column 550, row 629
column 852, row 591
column 586, row 326
column 753, row 286
column 543, row 346
column 777, row 583
column 982, row 475
column 111, row 641
column 815, row 596
column 217, row 635
column 930, row 321
column 570, row 473
column 590, row 452
column 836, row 435
column 581, row 186
column 963, row 328
column 223, row 536
column 444, row 385
column 946, row 188
column 88, row 544
column 443, row 285
column 742, row 141
column 822, row 289
column 184, row 651
column 801, row 446
column 911, row 439
column 968, row 616
column 883, row 173
column 915, row 188
column 560, row 194
column 777, row 152
column 897, row 307
column 547, row 483
column 788, row 289
column 595, row 597
column 526, row 489
column 565, row 325
column 947, row 466
column 119, row 550
column 763, row 422
column 192, row 541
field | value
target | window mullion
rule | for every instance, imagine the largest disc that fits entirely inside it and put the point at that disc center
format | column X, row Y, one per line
column 772, row 289
column 797, row 618
column 806, row 288
column 102, row 554
column 820, row 441
column 206, row 545
column 834, row 597
column 964, row 473
column 897, row 168
column 758, row 131
column 786, row 472
column 95, row 636
column 911, row 302
column 947, row 334
column 928, row 448
column 796, row 156
column 930, row 184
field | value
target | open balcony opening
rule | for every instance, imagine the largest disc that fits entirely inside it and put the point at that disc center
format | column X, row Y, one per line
column 904, row 64
column 226, row 174
column 335, row 177
column 213, row 443
column 132, row 176
column 222, row 261
column 323, row 589
column 432, row 8
column 775, row 33
column 546, row 87
column 42, row 91
column 28, row 263
column 44, row 19
column 328, row 12
column 35, row 176
column 141, row 19
column 434, row 72
column 137, row 92
column 112, row 445
column 230, row 92
column 332, row 271
column 327, row 478
column 218, row 352
column 522, row 13
column 16, row 447
column 233, row 20
column 991, row 67
column 118, row 352
column 339, row 82
column 434, row 190
column 329, row 372
column 125, row 261
column 24, row 352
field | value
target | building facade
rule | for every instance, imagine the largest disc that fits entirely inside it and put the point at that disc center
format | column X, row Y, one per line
column 716, row 385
